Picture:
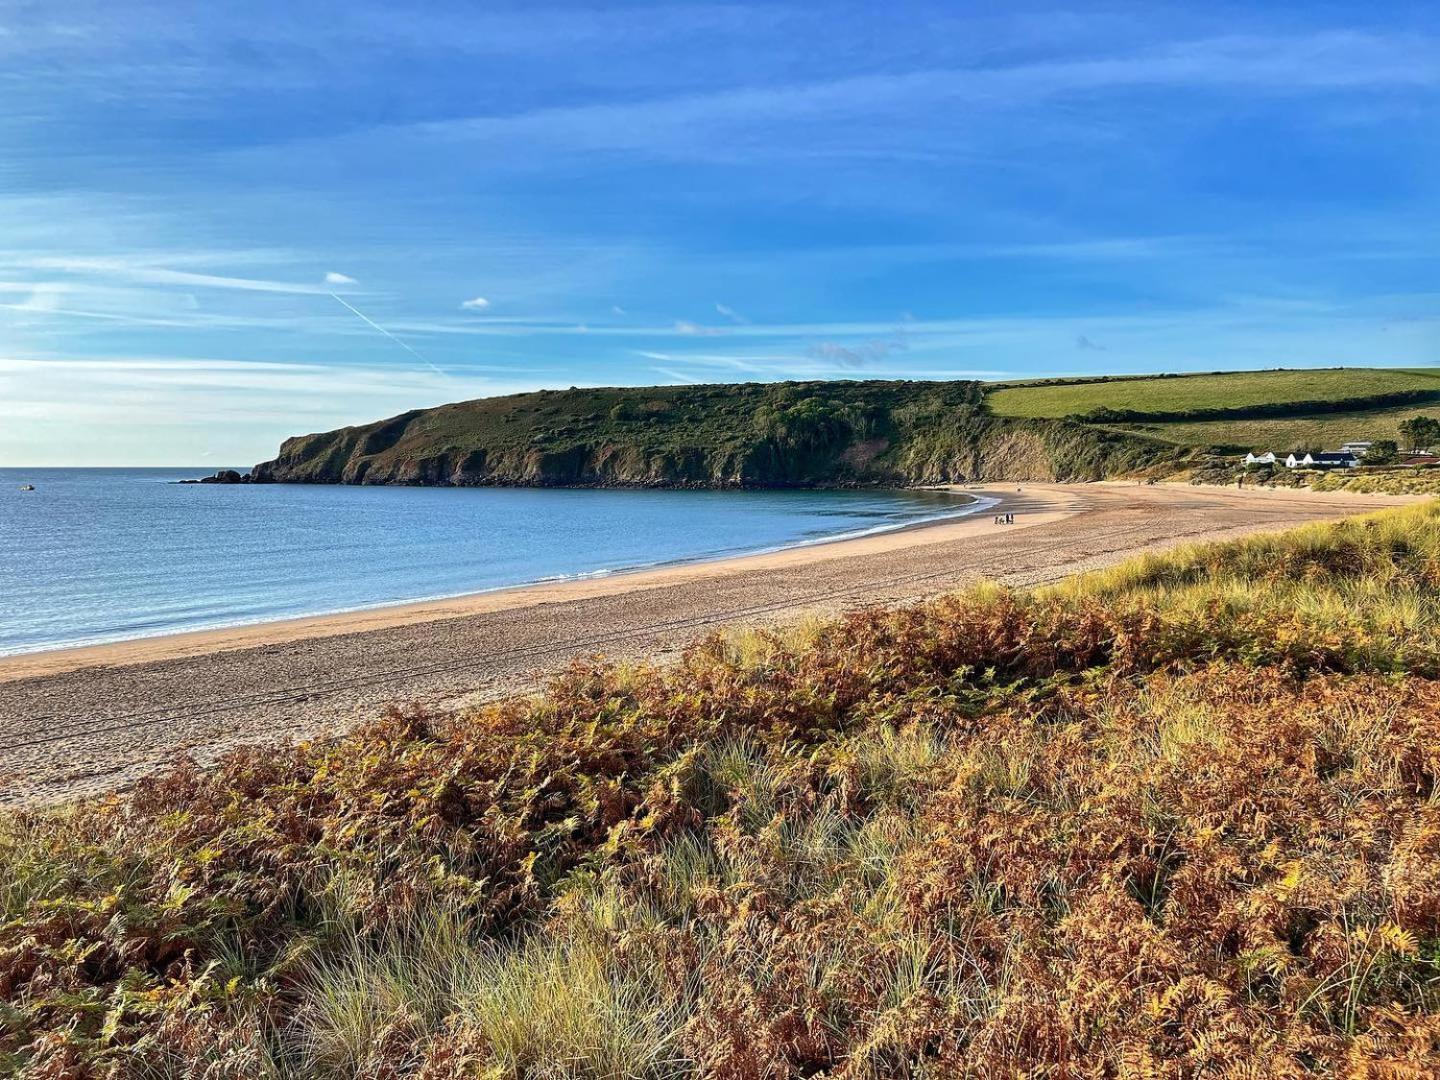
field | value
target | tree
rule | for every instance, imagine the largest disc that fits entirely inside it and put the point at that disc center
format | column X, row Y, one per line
column 1420, row 432
column 1382, row 452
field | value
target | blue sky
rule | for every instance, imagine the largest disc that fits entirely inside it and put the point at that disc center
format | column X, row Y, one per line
column 224, row 224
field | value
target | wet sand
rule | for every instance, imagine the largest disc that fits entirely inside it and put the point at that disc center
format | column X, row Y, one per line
column 82, row 721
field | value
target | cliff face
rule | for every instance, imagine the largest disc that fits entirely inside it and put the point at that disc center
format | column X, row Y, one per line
column 749, row 435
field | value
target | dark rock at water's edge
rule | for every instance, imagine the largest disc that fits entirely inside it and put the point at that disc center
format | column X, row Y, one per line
column 227, row 476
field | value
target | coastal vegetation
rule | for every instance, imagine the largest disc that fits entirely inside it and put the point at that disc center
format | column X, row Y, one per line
column 753, row 434
column 865, row 432
column 1174, row 819
column 1385, row 482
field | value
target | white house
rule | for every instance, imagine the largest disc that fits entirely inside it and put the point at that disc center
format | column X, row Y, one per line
column 1359, row 449
column 1267, row 458
column 1343, row 460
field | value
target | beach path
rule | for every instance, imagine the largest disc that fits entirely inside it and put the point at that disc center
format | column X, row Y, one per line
column 83, row 721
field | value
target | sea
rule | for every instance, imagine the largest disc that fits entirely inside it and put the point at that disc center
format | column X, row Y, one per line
column 101, row 555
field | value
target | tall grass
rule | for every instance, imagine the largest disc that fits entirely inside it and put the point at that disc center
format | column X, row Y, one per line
column 544, row 1007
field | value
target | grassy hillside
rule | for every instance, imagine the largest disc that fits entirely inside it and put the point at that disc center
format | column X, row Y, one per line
column 1279, row 410
column 1191, row 393
column 733, row 435
column 1178, row 819
column 1326, row 430
column 875, row 432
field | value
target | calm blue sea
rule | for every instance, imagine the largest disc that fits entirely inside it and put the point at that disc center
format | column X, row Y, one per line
column 94, row 555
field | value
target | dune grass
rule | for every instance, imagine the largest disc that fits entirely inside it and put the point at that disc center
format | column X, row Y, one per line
column 1392, row 482
column 1177, row 818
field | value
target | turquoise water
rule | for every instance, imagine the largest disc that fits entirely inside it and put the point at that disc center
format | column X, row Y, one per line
column 94, row 555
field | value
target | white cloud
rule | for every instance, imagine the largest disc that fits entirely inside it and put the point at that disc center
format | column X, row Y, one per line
column 731, row 314
column 691, row 329
column 617, row 309
column 477, row 304
column 332, row 278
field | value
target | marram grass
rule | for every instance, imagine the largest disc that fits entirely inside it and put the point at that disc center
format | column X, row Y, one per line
column 1174, row 819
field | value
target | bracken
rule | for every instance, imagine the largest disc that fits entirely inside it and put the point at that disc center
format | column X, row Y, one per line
column 1176, row 819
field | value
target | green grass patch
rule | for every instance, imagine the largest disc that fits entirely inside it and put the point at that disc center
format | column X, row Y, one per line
column 1191, row 393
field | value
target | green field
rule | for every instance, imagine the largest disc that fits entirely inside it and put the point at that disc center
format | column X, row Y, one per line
column 1186, row 393
column 1167, row 397
column 1328, row 430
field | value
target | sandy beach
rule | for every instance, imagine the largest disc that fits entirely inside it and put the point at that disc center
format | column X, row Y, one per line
column 81, row 721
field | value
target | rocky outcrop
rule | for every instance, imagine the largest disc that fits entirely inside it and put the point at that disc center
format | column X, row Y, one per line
column 224, row 476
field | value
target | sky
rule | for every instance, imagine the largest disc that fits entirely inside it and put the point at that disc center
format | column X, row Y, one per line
column 221, row 225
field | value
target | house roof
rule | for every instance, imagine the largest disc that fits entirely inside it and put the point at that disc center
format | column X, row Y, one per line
column 1334, row 457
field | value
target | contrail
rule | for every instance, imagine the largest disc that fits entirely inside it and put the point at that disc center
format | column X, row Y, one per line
column 371, row 322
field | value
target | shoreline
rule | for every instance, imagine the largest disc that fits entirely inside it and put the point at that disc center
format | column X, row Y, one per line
column 1057, row 501
column 170, row 645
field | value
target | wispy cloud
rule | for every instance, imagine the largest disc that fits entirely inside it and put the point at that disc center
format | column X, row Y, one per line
column 146, row 273
column 676, row 376
column 144, row 410
column 333, row 278
column 479, row 303
column 731, row 314
column 856, row 355
column 750, row 121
